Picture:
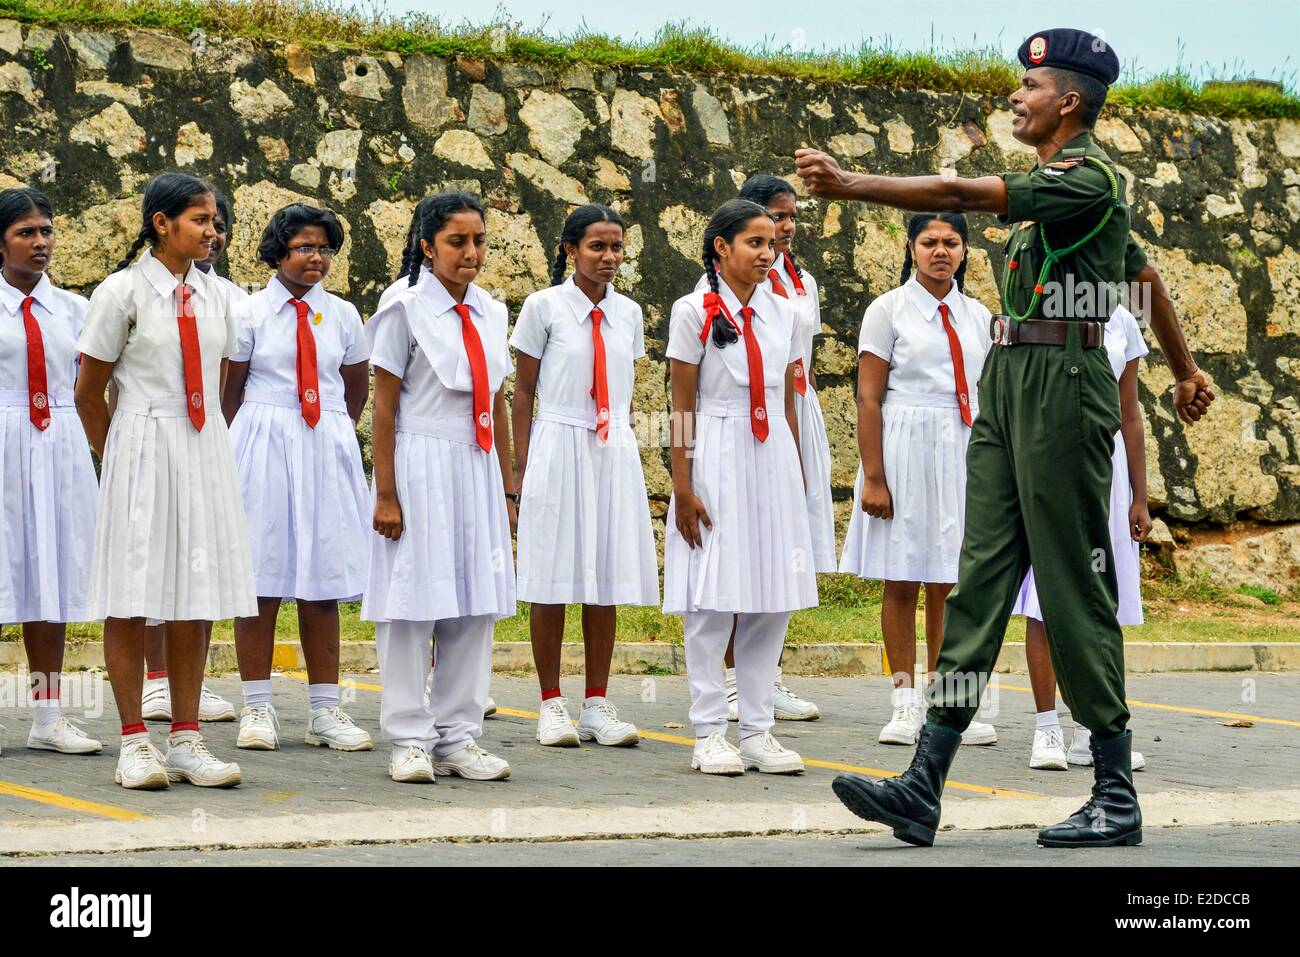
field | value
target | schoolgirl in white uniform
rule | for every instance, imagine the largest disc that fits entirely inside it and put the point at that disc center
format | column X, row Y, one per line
column 170, row 541
column 47, row 480
column 584, row 519
column 441, row 563
column 298, row 383
column 1130, row 524
column 738, row 548
column 157, row 703
column 920, row 354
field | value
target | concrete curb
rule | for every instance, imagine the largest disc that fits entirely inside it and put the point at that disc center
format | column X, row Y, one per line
column 638, row 658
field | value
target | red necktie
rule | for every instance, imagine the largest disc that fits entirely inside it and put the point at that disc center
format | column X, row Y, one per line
column 800, row 378
column 308, row 380
column 754, row 357
column 777, row 286
column 958, row 365
column 794, row 275
column 191, row 358
column 600, row 387
column 478, row 373
column 38, row 395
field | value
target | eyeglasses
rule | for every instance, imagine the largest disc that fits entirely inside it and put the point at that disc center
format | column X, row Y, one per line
column 306, row 252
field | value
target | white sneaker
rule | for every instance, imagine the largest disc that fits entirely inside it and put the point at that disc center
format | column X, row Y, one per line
column 257, row 728
column 1048, row 752
column 554, row 728
column 788, row 706
column 62, row 736
column 188, row 759
column 766, row 754
column 140, row 766
column 333, row 728
column 410, row 764
column 599, row 722
column 1080, row 753
column 156, row 702
column 474, row 763
column 908, row 719
column 715, row 755
column 729, row 684
column 979, row 734
column 213, row 707
column 490, row 708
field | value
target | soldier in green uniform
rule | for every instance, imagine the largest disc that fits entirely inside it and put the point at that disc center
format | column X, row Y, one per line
column 1039, row 460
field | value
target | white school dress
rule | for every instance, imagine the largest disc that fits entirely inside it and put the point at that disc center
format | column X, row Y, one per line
column 47, row 478
column 814, row 445
column 454, row 556
column 304, row 489
column 757, row 558
column 171, row 542
column 584, row 518
column 1124, row 343
column 924, row 437
column 398, row 286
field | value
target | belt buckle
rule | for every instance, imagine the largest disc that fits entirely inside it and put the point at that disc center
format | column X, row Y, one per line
column 1000, row 330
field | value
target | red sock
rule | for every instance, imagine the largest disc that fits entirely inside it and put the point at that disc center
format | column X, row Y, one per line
column 153, row 675
column 137, row 728
column 549, row 693
column 184, row 726
column 46, row 694
column 595, row 692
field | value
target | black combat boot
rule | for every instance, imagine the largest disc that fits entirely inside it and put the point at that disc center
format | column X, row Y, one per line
column 908, row 803
column 1112, row 816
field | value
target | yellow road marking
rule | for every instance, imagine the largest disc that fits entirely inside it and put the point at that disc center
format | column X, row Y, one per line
column 68, row 803
column 690, row 742
column 1179, row 709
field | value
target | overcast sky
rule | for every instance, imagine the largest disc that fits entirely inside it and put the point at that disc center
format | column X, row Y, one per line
column 1245, row 37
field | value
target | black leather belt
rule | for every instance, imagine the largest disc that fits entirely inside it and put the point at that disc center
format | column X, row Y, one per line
column 1045, row 332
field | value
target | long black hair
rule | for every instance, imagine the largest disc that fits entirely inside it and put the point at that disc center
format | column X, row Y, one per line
column 170, row 194
column 440, row 208
column 411, row 250
column 918, row 222
column 225, row 210
column 289, row 221
column 726, row 221
column 575, row 227
column 762, row 188
column 17, row 202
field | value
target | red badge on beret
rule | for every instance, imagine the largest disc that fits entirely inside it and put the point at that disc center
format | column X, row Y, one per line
column 1038, row 49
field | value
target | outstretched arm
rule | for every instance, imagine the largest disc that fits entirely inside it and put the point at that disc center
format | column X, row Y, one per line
column 824, row 178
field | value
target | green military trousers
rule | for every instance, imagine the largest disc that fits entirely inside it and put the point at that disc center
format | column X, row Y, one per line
column 1038, row 492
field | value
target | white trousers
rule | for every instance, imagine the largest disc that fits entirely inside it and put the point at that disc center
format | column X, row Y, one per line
column 759, row 640
column 453, row 715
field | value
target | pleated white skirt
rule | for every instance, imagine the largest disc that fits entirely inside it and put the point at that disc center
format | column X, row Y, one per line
column 171, row 542
column 48, row 530
column 924, row 448
column 306, row 502
column 454, row 556
column 816, row 450
column 584, row 519
column 758, row 555
column 1125, row 550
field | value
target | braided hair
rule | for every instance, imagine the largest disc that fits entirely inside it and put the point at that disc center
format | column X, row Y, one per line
column 17, row 203
column 914, row 227
column 411, row 249
column 762, row 188
column 440, row 208
column 575, row 227
column 170, row 194
column 728, row 220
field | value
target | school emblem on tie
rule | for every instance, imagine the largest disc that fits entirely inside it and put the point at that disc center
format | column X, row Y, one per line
column 760, row 413
column 484, row 420
column 39, row 400
column 602, row 415
column 196, row 399
column 310, row 396
column 798, row 371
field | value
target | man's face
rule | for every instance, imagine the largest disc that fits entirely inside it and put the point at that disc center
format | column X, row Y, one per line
column 1035, row 107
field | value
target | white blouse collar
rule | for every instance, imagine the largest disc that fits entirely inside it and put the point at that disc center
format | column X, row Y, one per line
column 278, row 294
column 161, row 278
column 924, row 300
column 582, row 305
column 435, row 294
column 13, row 297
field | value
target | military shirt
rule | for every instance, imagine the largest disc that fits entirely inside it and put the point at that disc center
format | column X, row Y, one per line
column 1068, row 196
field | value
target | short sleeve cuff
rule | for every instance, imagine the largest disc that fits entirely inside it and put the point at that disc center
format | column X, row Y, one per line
column 1020, row 198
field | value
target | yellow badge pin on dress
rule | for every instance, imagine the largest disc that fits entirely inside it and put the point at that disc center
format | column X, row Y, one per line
column 317, row 319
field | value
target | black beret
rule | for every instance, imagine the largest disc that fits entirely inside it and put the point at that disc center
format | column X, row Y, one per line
column 1074, row 50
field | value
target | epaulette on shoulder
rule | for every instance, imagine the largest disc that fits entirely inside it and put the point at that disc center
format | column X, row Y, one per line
column 1065, row 163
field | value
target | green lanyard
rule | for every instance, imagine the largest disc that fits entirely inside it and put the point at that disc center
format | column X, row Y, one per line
column 1054, row 256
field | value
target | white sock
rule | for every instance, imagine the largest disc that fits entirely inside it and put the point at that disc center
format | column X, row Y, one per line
column 729, row 677
column 1046, row 719
column 45, row 712
column 257, row 694
column 590, row 702
column 901, row 697
column 323, row 696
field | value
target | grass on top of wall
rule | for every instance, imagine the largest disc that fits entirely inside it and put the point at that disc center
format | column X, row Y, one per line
column 334, row 23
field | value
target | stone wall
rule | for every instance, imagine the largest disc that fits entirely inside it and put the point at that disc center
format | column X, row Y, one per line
column 90, row 116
